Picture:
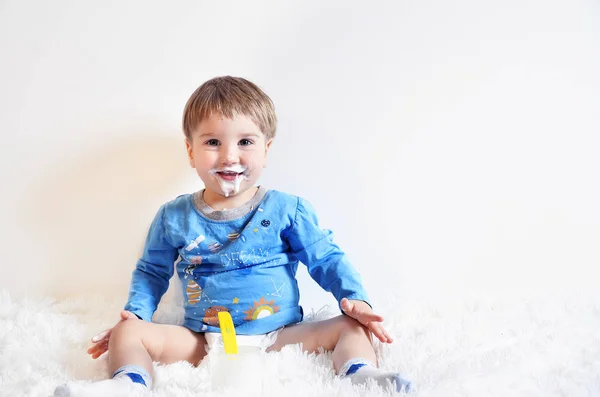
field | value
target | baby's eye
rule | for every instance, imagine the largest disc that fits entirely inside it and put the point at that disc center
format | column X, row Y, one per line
column 245, row 142
column 212, row 142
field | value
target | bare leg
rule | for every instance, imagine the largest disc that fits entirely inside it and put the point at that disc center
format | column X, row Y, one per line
column 137, row 342
column 345, row 336
column 353, row 353
column 133, row 346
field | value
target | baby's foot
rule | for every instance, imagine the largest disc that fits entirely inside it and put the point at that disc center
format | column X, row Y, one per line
column 116, row 387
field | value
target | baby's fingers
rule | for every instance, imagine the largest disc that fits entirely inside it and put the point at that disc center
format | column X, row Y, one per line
column 98, row 349
column 102, row 335
column 380, row 332
column 366, row 317
column 98, row 354
column 92, row 349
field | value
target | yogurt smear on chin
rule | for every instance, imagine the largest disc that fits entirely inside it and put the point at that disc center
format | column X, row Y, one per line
column 229, row 178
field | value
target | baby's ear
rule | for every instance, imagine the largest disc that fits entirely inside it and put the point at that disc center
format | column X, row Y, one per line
column 267, row 148
column 268, row 145
column 190, row 152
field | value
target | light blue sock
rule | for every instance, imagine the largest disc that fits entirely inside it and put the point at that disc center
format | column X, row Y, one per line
column 136, row 373
column 360, row 370
column 127, row 381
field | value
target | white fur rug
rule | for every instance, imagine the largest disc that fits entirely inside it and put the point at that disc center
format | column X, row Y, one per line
column 541, row 346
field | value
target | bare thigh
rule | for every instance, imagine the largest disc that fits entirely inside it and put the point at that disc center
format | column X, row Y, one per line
column 318, row 334
column 164, row 343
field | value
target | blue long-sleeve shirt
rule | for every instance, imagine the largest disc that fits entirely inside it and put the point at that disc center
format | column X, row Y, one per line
column 245, row 266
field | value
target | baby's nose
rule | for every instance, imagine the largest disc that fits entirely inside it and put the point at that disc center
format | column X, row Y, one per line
column 229, row 156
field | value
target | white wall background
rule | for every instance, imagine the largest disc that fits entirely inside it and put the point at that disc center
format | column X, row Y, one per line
column 452, row 146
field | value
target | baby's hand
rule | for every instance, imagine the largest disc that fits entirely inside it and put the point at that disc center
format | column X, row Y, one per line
column 100, row 341
column 362, row 312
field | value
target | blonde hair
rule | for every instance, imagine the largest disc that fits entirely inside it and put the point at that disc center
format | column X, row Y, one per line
column 230, row 96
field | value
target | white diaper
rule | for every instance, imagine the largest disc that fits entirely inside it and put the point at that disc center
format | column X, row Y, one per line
column 214, row 340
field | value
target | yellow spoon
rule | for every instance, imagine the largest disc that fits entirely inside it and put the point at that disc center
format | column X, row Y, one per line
column 228, row 333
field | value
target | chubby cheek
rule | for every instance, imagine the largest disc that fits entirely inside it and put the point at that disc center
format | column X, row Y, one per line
column 252, row 170
column 204, row 163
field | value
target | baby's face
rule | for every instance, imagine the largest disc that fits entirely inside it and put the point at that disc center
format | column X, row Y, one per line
column 229, row 155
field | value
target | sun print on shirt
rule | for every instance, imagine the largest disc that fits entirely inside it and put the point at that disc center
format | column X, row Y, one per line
column 261, row 309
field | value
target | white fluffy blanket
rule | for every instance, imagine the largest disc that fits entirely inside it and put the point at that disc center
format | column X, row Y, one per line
column 541, row 346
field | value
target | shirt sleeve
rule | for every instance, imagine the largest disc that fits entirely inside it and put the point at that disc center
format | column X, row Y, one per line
column 327, row 264
column 150, row 279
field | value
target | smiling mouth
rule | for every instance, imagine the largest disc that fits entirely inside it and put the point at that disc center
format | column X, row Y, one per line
column 229, row 175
